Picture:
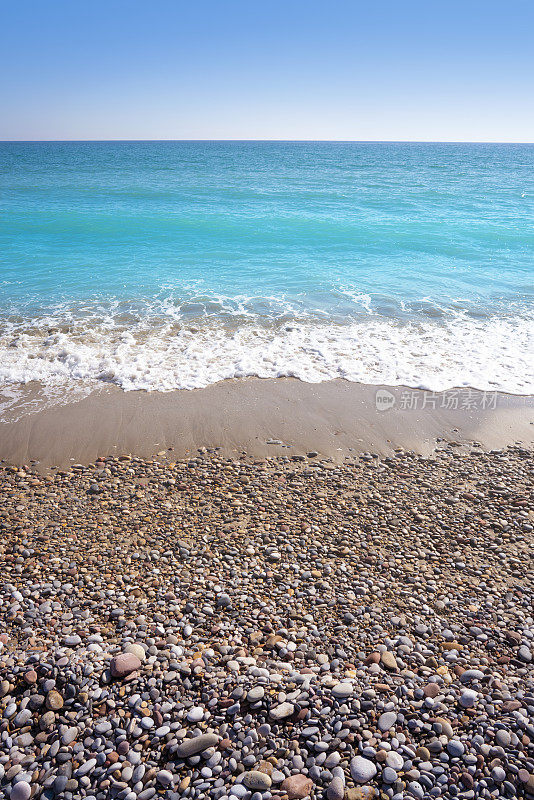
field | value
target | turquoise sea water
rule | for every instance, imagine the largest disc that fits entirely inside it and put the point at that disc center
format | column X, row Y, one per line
column 159, row 265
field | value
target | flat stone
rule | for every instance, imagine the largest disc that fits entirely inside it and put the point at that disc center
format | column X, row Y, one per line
column 388, row 661
column 387, row 720
column 256, row 694
column 191, row 747
column 471, row 675
column 342, row 690
column 282, row 711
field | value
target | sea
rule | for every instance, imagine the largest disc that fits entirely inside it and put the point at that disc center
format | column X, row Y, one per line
column 173, row 265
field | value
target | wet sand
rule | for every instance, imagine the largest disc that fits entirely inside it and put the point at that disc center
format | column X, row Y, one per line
column 263, row 418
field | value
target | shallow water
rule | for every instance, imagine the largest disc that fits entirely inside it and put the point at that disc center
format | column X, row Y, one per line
column 160, row 265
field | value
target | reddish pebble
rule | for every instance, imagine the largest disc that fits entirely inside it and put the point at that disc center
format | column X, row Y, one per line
column 124, row 664
column 297, row 786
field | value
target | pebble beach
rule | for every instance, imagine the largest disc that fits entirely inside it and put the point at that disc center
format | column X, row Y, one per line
column 283, row 627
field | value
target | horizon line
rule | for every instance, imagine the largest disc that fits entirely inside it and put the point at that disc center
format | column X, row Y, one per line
column 264, row 141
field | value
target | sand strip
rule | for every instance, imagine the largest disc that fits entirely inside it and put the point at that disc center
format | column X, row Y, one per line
column 335, row 418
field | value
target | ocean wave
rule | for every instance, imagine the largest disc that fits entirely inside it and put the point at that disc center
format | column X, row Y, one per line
column 164, row 353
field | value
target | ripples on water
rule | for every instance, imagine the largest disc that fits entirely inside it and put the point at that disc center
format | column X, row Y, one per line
column 165, row 265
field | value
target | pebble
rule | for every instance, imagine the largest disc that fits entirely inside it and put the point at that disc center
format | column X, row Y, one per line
column 362, row 770
column 342, row 690
column 388, row 660
column 123, row 664
column 20, row 791
column 195, row 714
column 137, row 650
column 164, row 777
column 395, row 760
column 282, row 711
column 259, row 781
column 468, row 698
column 256, row 694
column 190, row 625
column 336, row 789
column 297, row 786
column 191, row 747
column 455, row 748
column 387, row 720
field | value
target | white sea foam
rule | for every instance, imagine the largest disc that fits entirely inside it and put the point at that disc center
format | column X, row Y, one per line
column 436, row 354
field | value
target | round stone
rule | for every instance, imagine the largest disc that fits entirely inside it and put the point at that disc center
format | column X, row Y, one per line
column 136, row 649
column 394, row 760
column 362, row 770
column 503, row 738
column 297, row 786
column 389, row 775
column 164, row 777
column 256, row 694
column 224, row 601
column 195, row 714
column 455, row 748
column 256, row 780
column 468, row 698
column 238, row 790
column 54, row 701
column 20, row 791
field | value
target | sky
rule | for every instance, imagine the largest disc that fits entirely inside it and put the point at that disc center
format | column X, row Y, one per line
column 438, row 70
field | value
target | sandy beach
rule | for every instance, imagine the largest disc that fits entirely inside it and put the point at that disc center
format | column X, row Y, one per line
column 267, row 589
column 267, row 401
column 263, row 418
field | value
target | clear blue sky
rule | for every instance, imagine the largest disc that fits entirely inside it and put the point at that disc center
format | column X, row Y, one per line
column 460, row 70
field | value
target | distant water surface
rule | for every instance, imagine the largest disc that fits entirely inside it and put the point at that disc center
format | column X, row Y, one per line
column 160, row 265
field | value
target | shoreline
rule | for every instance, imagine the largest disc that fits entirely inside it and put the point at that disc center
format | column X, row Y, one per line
column 262, row 418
